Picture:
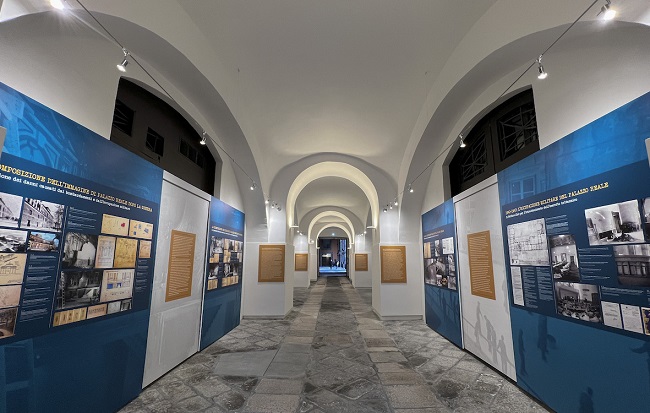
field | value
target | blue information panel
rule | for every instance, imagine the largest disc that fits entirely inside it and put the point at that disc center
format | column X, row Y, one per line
column 222, row 300
column 78, row 218
column 576, row 219
column 442, row 308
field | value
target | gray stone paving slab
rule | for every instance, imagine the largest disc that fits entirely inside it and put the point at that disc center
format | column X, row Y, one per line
column 400, row 377
column 279, row 386
column 411, row 397
column 285, row 370
column 387, row 357
column 252, row 363
column 272, row 403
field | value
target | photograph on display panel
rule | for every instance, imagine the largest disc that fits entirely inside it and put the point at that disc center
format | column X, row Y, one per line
column 114, row 225
column 564, row 258
column 10, row 295
column 79, row 250
column 41, row 215
column 614, row 224
column 427, row 251
column 633, row 264
column 105, row 252
column 13, row 240
column 8, row 322
column 125, row 253
column 78, row 288
column 117, row 285
column 10, row 206
column 44, row 241
column 645, row 313
column 527, row 243
column 579, row 301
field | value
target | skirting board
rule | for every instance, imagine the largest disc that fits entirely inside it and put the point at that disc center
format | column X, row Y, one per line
column 398, row 317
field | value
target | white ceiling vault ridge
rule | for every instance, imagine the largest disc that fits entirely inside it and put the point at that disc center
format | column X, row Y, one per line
column 368, row 93
column 331, row 214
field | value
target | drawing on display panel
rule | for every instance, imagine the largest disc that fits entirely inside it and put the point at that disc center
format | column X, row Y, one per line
column 633, row 264
column 125, row 253
column 10, row 295
column 564, row 258
column 12, row 240
column 41, row 215
column 427, row 251
column 69, row 316
column 78, row 288
column 614, row 224
column 527, row 243
column 579, row 301
column 115, row 225
column 79, row 250
column 10, row 206
column 145, row 249
column 105, row 252
column 8, row 322
column 12, row 268
column 44, row 241
column 117, row 285
column 96, row 311
column 140, row 229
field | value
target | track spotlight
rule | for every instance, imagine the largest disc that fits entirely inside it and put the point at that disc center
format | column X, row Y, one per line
column 542, row 73
column 253, row 186
column 267, row 202
column 410, row 189
column 204, row 138
column 462, row 142
column 391, row 206
column 607, row 11
column 122, row 66
column 385, row 210
column 395, row 202
column 57, row 4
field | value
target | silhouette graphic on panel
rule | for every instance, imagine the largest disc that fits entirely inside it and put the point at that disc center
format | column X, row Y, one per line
column 544, row 340
column 586, row 401
column 501, row 349
column 522, row 354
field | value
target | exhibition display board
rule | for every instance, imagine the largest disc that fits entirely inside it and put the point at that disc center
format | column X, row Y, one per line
column 301, row 262
column 393, row 264
column 441, row 300
column 576, row 216
column 271, row 263
column 222, row 295
column 486, row 316
column 78, row 224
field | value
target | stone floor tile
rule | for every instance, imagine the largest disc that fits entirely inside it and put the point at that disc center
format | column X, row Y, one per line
column 411, row 397
column 272, row 403
column 279, row 386
column 285, row 370
column 400, row 377
column 387, row 357
column 252, row 363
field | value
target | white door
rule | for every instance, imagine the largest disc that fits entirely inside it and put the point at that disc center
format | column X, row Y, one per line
column 174, row 326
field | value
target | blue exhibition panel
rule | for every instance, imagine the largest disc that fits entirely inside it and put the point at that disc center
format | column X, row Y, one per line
column 78, row 218
column 441, row 281
column 576, row 219
column 222, row 295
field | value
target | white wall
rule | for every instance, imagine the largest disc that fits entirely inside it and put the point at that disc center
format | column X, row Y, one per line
column 267, row 299
column 363, row 245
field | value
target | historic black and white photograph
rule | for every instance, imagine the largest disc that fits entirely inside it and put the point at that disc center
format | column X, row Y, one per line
column 633, row 264
column 527, row 243
column 79, row 250
column 10, row 209
column 12, row 240
column 8, row 322
column 78, row 288
column 44, row 241
column 41, row 215
column 125, row 305
column 437, row 247
column 579, row 301
column 614, row 224
column 564, row 258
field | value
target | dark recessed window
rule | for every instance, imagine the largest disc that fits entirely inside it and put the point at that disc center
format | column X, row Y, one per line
column 191, row 153
column 123, row 117
column 504, row 136
column 155, row 143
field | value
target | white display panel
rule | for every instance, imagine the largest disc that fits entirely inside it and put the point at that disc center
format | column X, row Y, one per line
column 486, row 323
column 174, row 326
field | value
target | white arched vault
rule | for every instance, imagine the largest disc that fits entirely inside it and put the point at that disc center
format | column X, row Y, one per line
column 335, row 225
column 326, row 214
column 334, row 169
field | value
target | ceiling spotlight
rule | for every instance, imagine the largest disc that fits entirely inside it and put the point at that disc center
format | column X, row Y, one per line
column 204, row 138
column 57, row 4
column 122, row 66
column 462, row 142
column 607, row 11
column 364, row 232
column 385, row 210
column 395, row 202
column 391, row 206
column 253, row 186
column 411, row 188
column 267, row 202
column 542, row 73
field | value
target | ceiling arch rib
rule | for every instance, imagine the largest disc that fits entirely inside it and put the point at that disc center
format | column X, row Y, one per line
column 334, row 225
column 332, row 169
column 326, row 214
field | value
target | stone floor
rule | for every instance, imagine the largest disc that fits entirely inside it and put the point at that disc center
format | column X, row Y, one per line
column 332, row 354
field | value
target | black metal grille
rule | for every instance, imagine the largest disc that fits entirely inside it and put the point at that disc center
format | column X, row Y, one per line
column 476, row 160
column 517, row 129
column 123, row 117
column 191, row 153
column 155, row 143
